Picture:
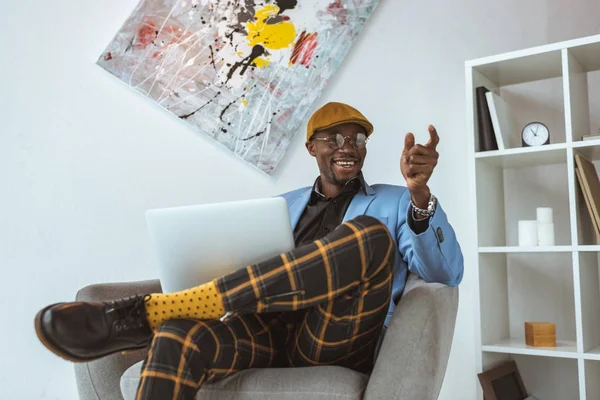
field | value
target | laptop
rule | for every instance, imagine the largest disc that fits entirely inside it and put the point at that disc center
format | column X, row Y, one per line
column 196, row 244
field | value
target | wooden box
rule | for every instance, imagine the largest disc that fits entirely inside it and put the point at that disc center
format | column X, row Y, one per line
column 540, row 334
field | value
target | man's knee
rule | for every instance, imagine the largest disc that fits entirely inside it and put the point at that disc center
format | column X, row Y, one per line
column 380, row 246
column 373, row 230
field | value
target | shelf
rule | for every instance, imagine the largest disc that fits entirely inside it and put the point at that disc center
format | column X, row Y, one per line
column 593, row 354
column 539, row 249
column 550, row 378
column 592, row 372
column 564, row 349
column 582, row 81
column 588, row 56
column 545, row 155
column 526, row 156
column 588, row 148
column 558, row 85
column 515, row 288
column 517, row 249
column 589, row 281
column 589, row 249
column 529, row 68
column 587, row 237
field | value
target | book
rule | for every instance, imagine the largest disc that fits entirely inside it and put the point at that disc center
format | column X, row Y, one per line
column 590, row 137
column 486, row 136
column 502, row 122
column 590, row 186
column 588, row 203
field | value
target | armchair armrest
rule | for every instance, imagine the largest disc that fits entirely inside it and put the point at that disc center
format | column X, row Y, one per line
column 100, row 379
column 414, row 353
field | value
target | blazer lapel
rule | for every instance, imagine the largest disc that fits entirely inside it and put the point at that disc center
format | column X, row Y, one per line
column 298, row 207
column 359, row 203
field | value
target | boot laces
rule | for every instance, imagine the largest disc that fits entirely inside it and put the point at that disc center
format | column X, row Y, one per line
column 129, row 308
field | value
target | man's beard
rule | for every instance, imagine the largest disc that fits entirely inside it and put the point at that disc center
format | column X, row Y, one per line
column 339, row 182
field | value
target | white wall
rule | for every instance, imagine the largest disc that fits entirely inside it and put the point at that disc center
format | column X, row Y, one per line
column 82, row 157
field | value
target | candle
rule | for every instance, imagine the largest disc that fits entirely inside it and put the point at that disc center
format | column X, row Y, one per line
column 528, row 233
column 545, row 234
column 544, row 215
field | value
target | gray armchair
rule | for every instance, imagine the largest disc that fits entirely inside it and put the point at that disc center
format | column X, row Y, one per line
column 411, row 363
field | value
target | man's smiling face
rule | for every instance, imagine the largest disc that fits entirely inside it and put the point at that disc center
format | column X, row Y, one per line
column 338, row 166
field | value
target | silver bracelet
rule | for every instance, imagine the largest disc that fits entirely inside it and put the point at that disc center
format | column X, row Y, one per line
column 418, row 218
column 425, row 213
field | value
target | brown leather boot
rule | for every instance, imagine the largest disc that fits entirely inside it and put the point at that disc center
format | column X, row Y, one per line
column 85, row 331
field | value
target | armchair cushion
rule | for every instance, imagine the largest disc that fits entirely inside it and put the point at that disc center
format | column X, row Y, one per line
column 311, row 383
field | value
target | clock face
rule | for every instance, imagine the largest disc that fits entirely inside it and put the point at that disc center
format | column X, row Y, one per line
column 535, row 134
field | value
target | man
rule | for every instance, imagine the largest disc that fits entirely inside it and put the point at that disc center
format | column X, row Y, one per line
column 323, row 303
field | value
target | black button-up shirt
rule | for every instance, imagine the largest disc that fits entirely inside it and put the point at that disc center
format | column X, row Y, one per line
column 322, row 215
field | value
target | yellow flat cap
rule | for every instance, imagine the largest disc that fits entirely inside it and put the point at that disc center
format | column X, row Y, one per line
column 332, row 114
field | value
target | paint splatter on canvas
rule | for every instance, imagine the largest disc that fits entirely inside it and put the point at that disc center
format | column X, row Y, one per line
column 244, row 72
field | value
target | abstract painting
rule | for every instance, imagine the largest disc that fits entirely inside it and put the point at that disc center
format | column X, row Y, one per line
column 243, row 72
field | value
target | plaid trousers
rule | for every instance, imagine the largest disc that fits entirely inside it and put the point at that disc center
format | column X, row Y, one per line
column 323, row 303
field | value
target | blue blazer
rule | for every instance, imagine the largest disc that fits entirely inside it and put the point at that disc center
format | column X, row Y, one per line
column 434, row 255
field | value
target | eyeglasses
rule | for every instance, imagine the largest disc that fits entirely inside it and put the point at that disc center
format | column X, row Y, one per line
column 338, row 141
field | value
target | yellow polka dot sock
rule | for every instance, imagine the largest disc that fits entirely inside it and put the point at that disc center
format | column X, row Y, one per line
column 200, row 302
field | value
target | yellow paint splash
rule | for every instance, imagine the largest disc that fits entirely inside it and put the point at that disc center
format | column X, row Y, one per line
column 261, row 62
column 271, row 36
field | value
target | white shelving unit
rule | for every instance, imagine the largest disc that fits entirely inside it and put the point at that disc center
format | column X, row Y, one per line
column 559, row 85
